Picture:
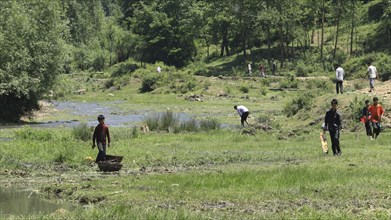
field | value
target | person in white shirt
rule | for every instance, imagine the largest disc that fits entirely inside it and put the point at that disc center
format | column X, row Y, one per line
column 249, row 69
column 339, row 74
column 243, row 112
column 158, row 69
column 372, row 74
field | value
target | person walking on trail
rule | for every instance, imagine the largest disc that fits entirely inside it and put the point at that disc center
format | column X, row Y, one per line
column 372, row 74
column 323, row 139
column 100, row 136
column 262, row 71
column 377, row 112
column 339, row 74
column 274, row 67
column 243, row 112
column 249, row 69
column 158, row 69
column 333, row 122
column 366, row 117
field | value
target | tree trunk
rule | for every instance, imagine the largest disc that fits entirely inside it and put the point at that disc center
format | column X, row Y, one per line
column 322, row 35
column 313, row 32
column 281, row 46
column 353, row 25
column 336, row 34
column 268, row 45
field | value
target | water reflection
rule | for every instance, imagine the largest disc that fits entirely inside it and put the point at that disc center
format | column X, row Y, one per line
column 19, row 202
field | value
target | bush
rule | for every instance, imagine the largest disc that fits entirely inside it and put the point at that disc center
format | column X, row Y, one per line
column 263, row 119
column 190, row 125
column 244, row 89
column 355, row 109
column 124, row 68
column 210, row 124
column 164, row 122
column 149, row 82
column 302, row 69
column 168, row 121
column 82, row 132
column 302, row 102
column 34, row 134
column 152, row 121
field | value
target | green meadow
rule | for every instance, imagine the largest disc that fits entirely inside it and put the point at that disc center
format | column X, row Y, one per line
column 226, row 173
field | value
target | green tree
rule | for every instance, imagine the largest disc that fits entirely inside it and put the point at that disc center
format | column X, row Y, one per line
column 31, row 53
column 165, row 32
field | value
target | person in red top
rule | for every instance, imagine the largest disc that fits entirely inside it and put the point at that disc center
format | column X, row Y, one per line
column 377, row 112
column 99, row 137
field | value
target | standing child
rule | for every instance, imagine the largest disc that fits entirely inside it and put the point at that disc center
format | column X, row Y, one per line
column 366, row 116
column 323, row 139
column 99, row 137
column 333, row 122
column 377, row 112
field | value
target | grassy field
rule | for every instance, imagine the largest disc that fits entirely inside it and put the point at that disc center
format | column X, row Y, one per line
column 220, row 174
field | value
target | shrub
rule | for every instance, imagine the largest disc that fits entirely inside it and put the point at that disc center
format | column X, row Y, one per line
column 302, row 102
column 190, row 125
column 263, row 91
column 124, row 68
column 355, row 108
column 82, row 132
column 263, row 119
column 33, row 134
column 210, row 124
column 152, row 121
column 168, row 120
column 302, row 69
column 149, row 82
column 244, row 89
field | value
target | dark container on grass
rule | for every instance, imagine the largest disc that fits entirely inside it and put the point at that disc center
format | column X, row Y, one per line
column 111, row 164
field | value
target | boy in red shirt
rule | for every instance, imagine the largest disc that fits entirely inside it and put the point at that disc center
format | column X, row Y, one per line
column 377, row 112
column 100, row 133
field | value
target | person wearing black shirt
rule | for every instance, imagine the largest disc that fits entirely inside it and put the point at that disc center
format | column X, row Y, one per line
column 333, row 122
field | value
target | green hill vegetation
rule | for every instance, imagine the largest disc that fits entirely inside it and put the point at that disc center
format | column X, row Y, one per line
column 43, row 40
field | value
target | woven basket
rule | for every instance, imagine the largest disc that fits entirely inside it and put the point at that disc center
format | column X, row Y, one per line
column 114, row 158
column 108, row 166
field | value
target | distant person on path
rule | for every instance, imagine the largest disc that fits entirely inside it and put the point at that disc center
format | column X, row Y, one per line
column 158, row 69
column 101, row 132
column 372, row 74
column 323, row 139
column 377, row 112
column 262, row 71
column 249, row 69
column 243, row 112
column 339, row 74
column 333, row 122
column 274, row 67
column 366, row 117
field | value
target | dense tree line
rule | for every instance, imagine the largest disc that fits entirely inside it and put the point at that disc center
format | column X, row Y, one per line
column 40, row 39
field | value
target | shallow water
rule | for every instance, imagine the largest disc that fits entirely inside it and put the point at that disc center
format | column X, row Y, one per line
column 22, row 203
column 90, row 111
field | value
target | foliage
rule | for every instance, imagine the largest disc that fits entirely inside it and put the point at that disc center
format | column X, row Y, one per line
column 244, row 89
column 170, row 122
column 302, row 102
column 82, row 132
column 150, row 81
column 29, row 133
column 31, row 53
column 210, row 124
